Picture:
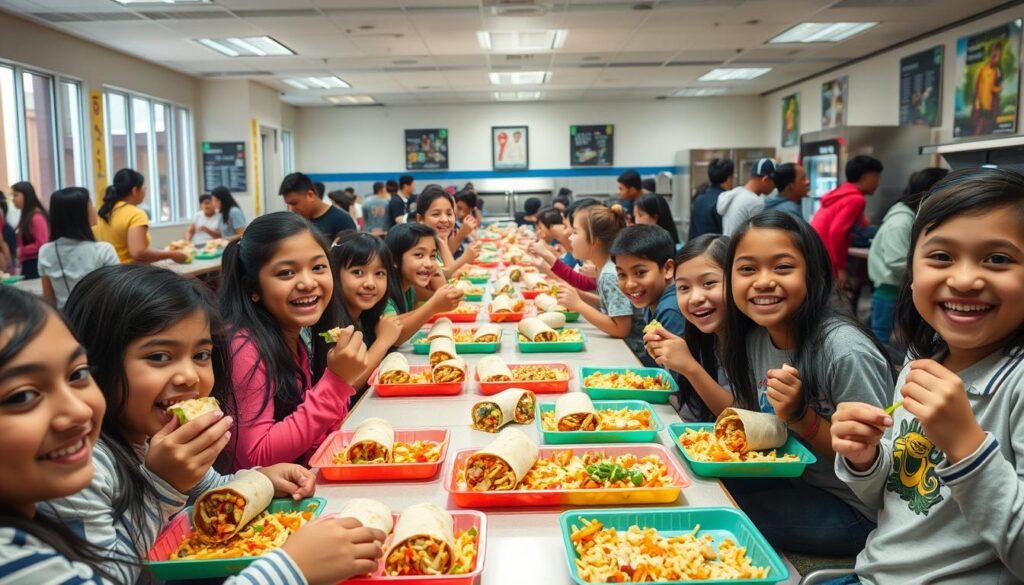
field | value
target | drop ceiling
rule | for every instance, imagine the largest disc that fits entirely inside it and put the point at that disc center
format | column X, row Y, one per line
column 427, row 51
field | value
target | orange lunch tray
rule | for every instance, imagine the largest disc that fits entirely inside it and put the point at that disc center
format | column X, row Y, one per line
column 456, row 317
column 485, row 264
column 540, row 387
column 506, row 317
column 464, row 520
column 338, row 440
column 428, row 389
column 578, row 497
column 532, row 293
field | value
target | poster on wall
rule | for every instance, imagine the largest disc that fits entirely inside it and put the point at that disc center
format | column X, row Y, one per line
column 834, row 102
column 510, row 148
column 426, row 150
column 791, row 120
column 224, row 164
column 592, row 146
column 921, row 88
column 987, row 81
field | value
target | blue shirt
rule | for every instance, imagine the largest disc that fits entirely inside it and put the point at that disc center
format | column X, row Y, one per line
column 704, row 216
column 780, row 203
column 570, row 260
column 375, row 213
column 667, row 312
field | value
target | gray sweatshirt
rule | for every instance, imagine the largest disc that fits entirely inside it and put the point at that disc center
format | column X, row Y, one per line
column 959, row 524
column 736, row 206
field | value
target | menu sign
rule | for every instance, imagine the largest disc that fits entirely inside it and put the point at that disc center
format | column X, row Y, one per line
column 592, row 146
column 224, row 164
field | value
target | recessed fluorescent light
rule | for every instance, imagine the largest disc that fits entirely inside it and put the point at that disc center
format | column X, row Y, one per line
column 247, row 47
column 734, row 73
column 521, row 41
column 296, row 83
column 520, row 77
column 327, row 82
column 350, row 100
column 163, row 1
column 821, row 32
column 516, row 96
column 700, row 91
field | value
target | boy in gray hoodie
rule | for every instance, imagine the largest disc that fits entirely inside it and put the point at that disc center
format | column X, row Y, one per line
column 738, row 205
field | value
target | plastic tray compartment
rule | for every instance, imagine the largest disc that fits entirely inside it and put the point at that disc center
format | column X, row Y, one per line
column 530, row 294
column 429, row 389
column 456, row 317
column 552, row 346
column 203, row 256
column 745, row 468
column 652, row 396
column 506, row 317
column 477, row 279
column 464, row 520
column 181, row 526
column 641, row 436
column 461, row 348
column 719, row 522
column 582, row 497
column 493, row 264
column 545, row 387
column 473, row 298
column 13, row 279
column 338, row 440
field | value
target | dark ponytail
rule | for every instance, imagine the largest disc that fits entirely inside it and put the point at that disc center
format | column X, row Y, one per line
column 121, row 187
column 29, row 208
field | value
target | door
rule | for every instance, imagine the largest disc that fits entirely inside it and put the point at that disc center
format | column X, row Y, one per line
column 270, row 171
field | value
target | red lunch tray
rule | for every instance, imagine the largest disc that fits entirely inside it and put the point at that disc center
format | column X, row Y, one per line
column 506, row 317
column 338, row 440
column 430, row 389
column 532, row 293
column 485, row 264
column 545, row 387
column 456, row 317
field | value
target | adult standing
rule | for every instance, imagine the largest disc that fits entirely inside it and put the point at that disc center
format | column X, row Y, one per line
column 124, row 225
column 301, row 196
column 232, row 220
column 407, row 191
column 8, row 241
column 397, row 208
column 33, row 227
column 739, row 204
column 375, row 211
column 792, row 186
column 704, row 216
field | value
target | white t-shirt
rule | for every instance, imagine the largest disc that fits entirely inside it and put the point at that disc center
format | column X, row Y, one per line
column 78, row 258
column 201, row 219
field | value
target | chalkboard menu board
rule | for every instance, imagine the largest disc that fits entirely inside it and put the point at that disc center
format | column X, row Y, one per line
column 224, row 164
column 592, row 146
column 921, row 88
column 426, row 150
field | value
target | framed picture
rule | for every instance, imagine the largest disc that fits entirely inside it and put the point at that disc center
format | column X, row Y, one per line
column 987, row 81
column 921, row 88
column 510, row 148
column 834, row 102
column 791, row 120
column 426, row 150
column 592, row 146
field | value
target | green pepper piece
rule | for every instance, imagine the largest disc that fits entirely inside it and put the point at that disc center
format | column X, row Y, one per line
column 637, row 478
column 327, row 337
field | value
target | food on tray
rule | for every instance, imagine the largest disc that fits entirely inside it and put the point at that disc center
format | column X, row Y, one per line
column 467, row 287
column 449, row 371
column 214, row 246
column 703, row 445
column 534, row 329
column 608, row 419
column 503, row 303
column 503, row 286
column 441, row 328
column 627, row 380
column 221, row 513
column 513, row 255
column 501, row 465
column 536, row 281
column 561, row 335
column 425, row 543
column 394, row 369
column 548, row 303
column 415, row 452
column 372, row 442
column 745, row 430
column 510, row 405
column 493, row 369
column 194, row 408
column 654, row 324
column 607, row 555
column 442, row 349
column 538, row 373
column 595, row 470
column 575, row 412
column 370, row 513
column 263, row 534
column 478, row 272
column 464, row 308
column 553, row 320
column 489, row 333
column 181, row 246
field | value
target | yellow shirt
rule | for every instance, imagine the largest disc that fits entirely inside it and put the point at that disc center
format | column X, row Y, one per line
column 987, row 86
column 115, row 231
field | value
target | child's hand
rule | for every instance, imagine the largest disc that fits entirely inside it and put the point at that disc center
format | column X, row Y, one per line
column 785, row 392
column 332, row 549
column 290, row 480
column 589, row 269
column 670, row 351
column 569, row 298
column 473, row 251
column 347, row 359
column 446, row 298
column 181, row 455
column 857, row 428
column 469, row 225
column 178, row 256
column 541, row 250
column 389, row 329
column 937, row 398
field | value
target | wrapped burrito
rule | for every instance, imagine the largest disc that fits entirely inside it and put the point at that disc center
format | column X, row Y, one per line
column 745, row 430
column 575, row 412
column 372, row 442
column 394, row 369
column 442, row 349
column 536, row 330
column 423, row 542
column 493, row 369
column 441, row 328
column 552, row 320
column 464, row 285
column 503, row 286
column 532, row 280
column 489, row 333
column 448, row 371
column 187, row 410
column 501, row 304
column 371, row 513
column 548, row 303
column 501, row 465
column 514, row 404
column 221, row 512
column 515, row 273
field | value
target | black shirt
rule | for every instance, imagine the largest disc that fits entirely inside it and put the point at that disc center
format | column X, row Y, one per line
column 396, row 209
column 333, row 221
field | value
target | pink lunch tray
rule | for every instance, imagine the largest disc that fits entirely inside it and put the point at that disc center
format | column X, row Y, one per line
column 429, row 389
column 338, row 440
column 540, row 387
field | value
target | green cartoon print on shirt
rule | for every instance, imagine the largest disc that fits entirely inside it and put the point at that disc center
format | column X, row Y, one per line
column 913, row 476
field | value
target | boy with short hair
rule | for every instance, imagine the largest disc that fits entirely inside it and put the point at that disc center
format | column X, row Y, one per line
column 630, row 189
column 205, row 224
column 644, row 257
column 375, row 211
column 300, row 195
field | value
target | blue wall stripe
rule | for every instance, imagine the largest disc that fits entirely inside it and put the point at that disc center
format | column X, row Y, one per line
column 425, row 176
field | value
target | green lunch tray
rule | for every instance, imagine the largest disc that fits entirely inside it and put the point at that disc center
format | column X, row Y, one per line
column 202, row 256
column 745, row 468
column 424, row 348
column 552, row 346
column 652, row 396
column 574, row 437
column 477, row 279
column 473, row 298
column 12, row 279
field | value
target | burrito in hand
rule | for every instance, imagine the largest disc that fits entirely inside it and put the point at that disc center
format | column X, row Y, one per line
column 370, row 513
column 187, row 410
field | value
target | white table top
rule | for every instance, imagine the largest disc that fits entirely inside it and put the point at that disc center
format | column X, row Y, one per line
column 195, row 268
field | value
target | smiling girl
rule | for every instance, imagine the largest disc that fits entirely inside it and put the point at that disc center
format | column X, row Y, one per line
column 435, row 208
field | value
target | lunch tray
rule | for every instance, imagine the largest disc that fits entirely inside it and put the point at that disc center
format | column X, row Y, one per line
column 552, row 346
column 745, row 468
column 338, row 440
column 460, row 348
column 652, row 396
column 540, row 387
column 13, row 279
column 638, row 436
column 493, row 264
column 506, row 317
column 428, row 389
column 719, row 522
column 477, row 279
column 580, row 497
column 473, row 298
column 530, row 294
column 158, row 559
column 204, row 256
column 456, row 317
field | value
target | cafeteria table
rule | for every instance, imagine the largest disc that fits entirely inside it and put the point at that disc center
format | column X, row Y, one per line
column 196, row 268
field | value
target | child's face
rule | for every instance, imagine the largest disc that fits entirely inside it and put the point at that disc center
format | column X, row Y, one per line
column 462, row 210
column 440, row 216
column 641, row 280
column 581, row 248
column 969, row 279
column 207, row 207
column 50, row 417
column 420, row 263
column 769, row 277
column 364, row 286
column 642, row 217
column 165, row 368
column 701, row 294
column 296, row 283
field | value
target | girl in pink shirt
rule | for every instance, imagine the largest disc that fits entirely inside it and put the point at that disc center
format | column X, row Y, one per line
column 33, row 227
column 289, row 395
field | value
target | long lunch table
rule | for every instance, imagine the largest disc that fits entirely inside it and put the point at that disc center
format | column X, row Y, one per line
column 196, row 268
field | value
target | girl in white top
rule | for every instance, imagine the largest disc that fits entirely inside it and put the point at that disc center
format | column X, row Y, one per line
column 72, row 251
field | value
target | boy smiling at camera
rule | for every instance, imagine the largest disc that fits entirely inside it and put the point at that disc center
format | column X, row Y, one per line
column 644, row 264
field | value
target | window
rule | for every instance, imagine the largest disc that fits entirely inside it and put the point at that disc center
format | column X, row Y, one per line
column 10, row 158
column 117, row 133
column 72, row 144
column 183, row 155
column 288, row 148
column 40, row 133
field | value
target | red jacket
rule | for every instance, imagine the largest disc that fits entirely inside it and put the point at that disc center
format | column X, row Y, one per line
column 841, row 209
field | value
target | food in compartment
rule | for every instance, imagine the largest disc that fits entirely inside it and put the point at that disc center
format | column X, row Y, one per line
column 533, row 329
column 575, row 412
column 503, row 303
column 425, row 543
column 372, row 442
column 626, row 380
column 512, row 405
column 449, row 371
column 609, row 419
column 442, row 349
column 394, row 369
column 222, row 512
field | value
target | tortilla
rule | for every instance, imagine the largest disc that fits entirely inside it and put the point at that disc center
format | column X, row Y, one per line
column 762, row 430
column 488, row 333
column 441, row 349
column 449, row 371
column 430, row 522
column 188, row 410
column 502, row 408
column 552, row 320
column 441, row 328
column 531, row 280
column 503, row 285
column 547, row 303
column 502, row 304
column 220, row 513
column 501, row 465
column 394, row 369
column 536, row 330
column 373, row 442
column 370, row 513
column 492, row 368
column 575, row 412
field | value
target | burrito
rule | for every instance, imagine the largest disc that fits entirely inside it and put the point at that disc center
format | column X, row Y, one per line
column 503, row 286
column 370, row 513
column 423, row 542
column 501, row 465
column 745, row 430
column 553, row 320
column 448, row 371
column 441, row 349
column 221, row 512
column 372, row 442
column 515, row 273
column 441, row 328
column 489, row 333
column 536, row 330
column 502, row 304
column 394, row 369
column 514, row 404
column 575, row 412
column 548, row 303
column 532, row 280
column 493, row 369
column 187, row 410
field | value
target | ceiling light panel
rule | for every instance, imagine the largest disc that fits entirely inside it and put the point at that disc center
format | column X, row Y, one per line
column 328, row 82
column 521, row 41
column 158, row 2
column 351, row 100
column 517, row 96
column 734, row 74
column 247, row 46
column 700, row 92
column 519, row 77
column 821, row 32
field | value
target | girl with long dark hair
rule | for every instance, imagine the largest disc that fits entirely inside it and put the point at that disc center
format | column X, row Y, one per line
column 33, row 227
column 232, row 220
column 124, row 225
